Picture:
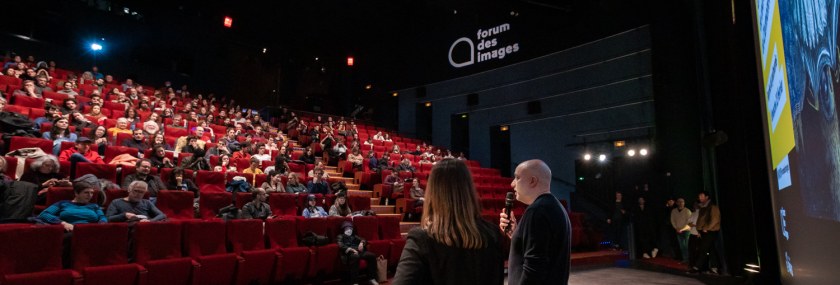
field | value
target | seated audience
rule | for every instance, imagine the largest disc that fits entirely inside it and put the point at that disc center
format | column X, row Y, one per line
column 294, row 186
column 121, row 127
column 68, row 89
column 99, row 137
column 353, row 248
column 417, row 193
column 274, row 183
column 81, row 152
column 45, row 174
column 28, row 89
column 311, row 210
column 137, row 141
column 356, row 159
column 253, row 167
column 340, row 207
column 243, row 152
column 257, row 208
column 144, row 173
column 318, row 185
column 308, row 157
column 134, row 208
column 77, row 211
column 262, row 153
column 177, row 181
column 69, row 105
column 196, row 161
column 60, row 132
column 159, row 159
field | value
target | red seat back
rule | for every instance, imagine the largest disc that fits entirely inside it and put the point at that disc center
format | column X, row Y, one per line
column 28, row 249
column 153, row 241
column 389, row 227
column 176, row 204
column 283, row 204
column 27, row 101
column 101, row 171
column 204, row 237
column 209, row 181
column 210, row 203
column 281, row 232
column 99, row 244
column 23, row 142
column 245, row 235
column 367, row 227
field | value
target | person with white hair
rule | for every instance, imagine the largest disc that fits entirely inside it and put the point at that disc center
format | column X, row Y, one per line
column 134, row 207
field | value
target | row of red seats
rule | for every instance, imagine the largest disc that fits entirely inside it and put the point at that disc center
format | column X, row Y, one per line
column 188, row 252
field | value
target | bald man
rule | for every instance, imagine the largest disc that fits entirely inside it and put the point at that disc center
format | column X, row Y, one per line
column 541, row 241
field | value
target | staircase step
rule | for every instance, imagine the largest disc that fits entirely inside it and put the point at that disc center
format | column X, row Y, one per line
column 378, row 209
column 352, row 186
column 360, row 193
column 374, row 201
column 407, row 226
column 389, row 215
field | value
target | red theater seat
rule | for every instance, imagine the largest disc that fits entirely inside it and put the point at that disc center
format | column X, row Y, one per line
column 204, row 241
column 100, row 252
column 41, row 247
column 27, row 101
column 283, row 204
column 157, row 246
column 210, row 203
column 176, row 204
column 325, row 256
column 210, row 182
column 114, row 151
column 246, row 239
column 101, row 171
column 367, row 227
column 389, row 229
column 23, row 142
column 294, row 261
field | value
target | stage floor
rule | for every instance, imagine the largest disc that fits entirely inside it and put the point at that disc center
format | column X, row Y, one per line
column 615, row 275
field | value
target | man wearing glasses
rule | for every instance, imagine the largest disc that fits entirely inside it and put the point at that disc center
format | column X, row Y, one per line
column 144, row 169
column 134, row 208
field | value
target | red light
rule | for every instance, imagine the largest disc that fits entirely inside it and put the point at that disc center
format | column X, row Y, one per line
column 349, row 61
column 228, row 22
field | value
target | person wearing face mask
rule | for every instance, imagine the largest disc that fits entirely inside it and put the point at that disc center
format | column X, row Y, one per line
column 352, row 249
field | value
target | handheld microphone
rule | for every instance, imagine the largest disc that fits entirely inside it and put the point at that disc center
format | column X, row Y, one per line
column 508, row 205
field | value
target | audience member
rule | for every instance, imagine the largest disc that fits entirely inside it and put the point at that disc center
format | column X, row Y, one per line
column 294, row 186
column 99, row 137
column 274, row 183
column 45, row 174
column 134, row 208
column 643, row 225
column 311, row 210
column 77, row 211
column 68, row 89
column 340, row 207
column 178, row 181
column 137, row 141
column 253, row 166
column 452, row 224
column 144, row 173
column 417, row 193
column 158, row 158
column 257, row 208
column 318, row 185
column 60, row 132
column 121, row 128
column 28, row 89
column 617, row 222
column 356, row 159
column 352, row 249
column 196, row 161
column 262, row 154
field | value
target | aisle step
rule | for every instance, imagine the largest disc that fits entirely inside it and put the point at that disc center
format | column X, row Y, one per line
column 360, row 193
column 379, row 209
column 407, row 226
column 374, row 201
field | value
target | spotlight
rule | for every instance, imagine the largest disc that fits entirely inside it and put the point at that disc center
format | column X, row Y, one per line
column 264, row 50
column 602, row 157
column 395, row 94
column 368, row 87
column 504, row 128
column 95, row 47
column 587, row 157
column 428, row 104
column 643, row 152
column 631, row 152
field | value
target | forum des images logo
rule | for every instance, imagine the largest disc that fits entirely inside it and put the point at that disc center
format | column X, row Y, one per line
column 488, row 47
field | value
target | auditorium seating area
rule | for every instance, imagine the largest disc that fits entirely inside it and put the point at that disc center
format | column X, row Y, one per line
column 186, row 252
column 196, row 247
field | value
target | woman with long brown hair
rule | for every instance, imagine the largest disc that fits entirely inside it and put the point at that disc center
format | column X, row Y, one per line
column 453, row 244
